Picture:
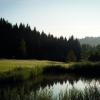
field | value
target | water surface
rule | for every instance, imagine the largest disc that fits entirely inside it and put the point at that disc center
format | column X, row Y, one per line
column 81, row 89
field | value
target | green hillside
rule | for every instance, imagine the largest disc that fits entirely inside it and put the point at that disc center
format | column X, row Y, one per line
column 90, row 40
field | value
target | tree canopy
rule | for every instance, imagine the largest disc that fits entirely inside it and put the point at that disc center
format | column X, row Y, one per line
column 21, row 42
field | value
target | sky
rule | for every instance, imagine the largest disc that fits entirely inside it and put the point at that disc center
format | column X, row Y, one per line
column 80, row 18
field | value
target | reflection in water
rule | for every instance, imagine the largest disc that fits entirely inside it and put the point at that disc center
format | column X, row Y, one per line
column 61, row 88
column 78, row 90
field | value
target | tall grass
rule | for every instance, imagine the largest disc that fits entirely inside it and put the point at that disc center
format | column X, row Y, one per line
column 26, row 93
column 89, row 93
column 12, row 71
column 21, row 73
column 86, row 69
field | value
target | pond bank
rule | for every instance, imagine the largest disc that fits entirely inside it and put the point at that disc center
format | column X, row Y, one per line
column 53, row 88
column 86, row 69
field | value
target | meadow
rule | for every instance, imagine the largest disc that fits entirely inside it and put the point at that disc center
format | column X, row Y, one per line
column 8, row 65
column 21, row 79
column 12, row 71
column 20, row 70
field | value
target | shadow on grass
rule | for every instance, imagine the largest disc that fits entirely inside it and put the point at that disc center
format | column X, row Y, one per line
column 83, row 69
column 53, row 70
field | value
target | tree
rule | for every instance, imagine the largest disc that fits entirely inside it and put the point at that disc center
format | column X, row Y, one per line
column 22, row 49
column 23, row 42
column 73, row 44
column 71, row 56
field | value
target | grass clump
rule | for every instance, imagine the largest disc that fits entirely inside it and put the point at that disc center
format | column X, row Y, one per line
column 85, row 68
column 89, row 93
column 17, row 75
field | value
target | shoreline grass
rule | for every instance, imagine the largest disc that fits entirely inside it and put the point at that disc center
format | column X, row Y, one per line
column 26, row 92
column 35, row 68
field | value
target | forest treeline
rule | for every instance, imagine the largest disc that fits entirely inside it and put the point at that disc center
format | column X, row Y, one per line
column 21, row 42
column 90, row 52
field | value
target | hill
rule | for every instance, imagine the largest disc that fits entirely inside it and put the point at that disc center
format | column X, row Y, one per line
column 90, row 40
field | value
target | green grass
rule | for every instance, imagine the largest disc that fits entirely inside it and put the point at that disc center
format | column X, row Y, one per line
column 19, row 70
column 8, row 65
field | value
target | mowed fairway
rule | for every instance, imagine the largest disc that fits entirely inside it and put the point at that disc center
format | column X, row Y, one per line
column 7, row 65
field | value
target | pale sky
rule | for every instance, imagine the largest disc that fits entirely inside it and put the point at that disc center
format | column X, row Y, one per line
column 59, row 17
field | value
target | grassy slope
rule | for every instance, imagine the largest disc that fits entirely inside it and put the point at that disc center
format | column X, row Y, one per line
column 8, row 65
column 19, row 70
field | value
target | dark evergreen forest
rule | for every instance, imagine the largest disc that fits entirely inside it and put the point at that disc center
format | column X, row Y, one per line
column 21, row 42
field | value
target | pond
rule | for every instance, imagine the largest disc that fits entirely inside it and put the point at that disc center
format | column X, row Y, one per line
column 53, row 88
